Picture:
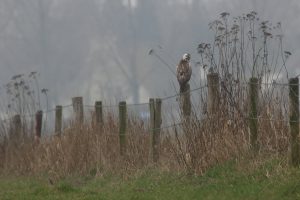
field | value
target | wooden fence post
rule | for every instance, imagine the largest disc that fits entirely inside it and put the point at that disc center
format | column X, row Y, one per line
column 152, row 124
column 58, row 120
column 253, row 120
column 122, row 126
column 38, row 125
column 185, row 102
column 156, row 135
column 294, row 120
column 99, row 114
column 213, row 99
column 78, row 109
column 155, row 123
column 15, row 128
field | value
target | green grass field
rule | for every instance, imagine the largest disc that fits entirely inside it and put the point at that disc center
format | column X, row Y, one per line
column 229, row 181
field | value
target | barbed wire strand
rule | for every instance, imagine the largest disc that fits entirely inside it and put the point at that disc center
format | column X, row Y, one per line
column 280, row 84
column 178, row 94
column 146, row 103
column 258, row 118
column 115, row 105
column 182, row 123
column 270, row 119
column 32, row 115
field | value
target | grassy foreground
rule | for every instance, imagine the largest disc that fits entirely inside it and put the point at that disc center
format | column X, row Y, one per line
column 230, row 181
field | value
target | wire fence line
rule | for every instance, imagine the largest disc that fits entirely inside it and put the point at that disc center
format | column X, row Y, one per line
column 178, row 94
column 34, row 114
column 143, row 103
column 149, row 129
column 271, row 119
column 174, row 125
column 163, row 99
column 147, row 103
column 115, row 105
column 274, row 84
column 247, row 118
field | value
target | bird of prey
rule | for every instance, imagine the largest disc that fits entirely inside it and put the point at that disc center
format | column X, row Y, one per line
column 184, row 70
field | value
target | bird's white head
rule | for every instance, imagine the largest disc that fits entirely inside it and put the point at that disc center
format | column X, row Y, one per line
column 186, row 57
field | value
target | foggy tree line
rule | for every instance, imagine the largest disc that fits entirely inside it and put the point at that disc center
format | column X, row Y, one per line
column 99, row 48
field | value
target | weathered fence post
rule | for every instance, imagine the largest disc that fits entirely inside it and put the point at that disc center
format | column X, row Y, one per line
column 213, row 99
column 78, row 109
column 122, row 126
column 156, row 135
column 15, row 127
column 253, row 120
column 58, row 120
column 99, row 114
column 155, row 123
column 38, row 125
column 152, row 124
column 185, row 101
column 294, row 120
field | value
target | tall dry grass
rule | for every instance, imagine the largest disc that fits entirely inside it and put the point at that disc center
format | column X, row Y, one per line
column 192, row 147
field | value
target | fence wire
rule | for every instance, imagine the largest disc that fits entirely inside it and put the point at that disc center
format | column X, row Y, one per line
column 171, row 111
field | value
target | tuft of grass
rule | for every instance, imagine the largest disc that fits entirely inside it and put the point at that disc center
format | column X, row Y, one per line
column 65, row 187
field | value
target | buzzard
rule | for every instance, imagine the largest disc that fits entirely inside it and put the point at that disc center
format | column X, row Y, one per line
column 184, row 70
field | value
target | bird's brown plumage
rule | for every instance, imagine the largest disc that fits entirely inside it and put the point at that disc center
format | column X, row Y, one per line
column 183, row 72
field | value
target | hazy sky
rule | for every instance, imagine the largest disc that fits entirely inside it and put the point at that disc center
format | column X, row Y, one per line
column 99, row 49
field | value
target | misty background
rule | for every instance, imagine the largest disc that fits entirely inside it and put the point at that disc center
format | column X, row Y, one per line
column 99, row 49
